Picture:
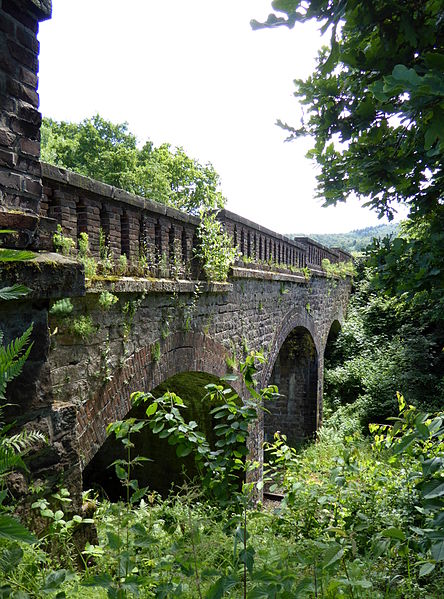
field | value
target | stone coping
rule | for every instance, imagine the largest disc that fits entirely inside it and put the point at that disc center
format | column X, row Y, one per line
column 48, row 275
column 307, row 240
column 252, row 225
column 136, row 285
column 67, row 177
column 73, row 179
column 266, row 275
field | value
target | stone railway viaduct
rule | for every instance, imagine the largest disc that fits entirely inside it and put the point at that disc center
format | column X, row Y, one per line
column 169, row 322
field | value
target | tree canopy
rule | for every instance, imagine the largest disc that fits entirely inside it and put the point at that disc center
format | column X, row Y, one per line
column 109, row 152
column 375, row 106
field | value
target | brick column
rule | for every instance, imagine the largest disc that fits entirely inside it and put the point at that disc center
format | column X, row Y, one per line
column 20, row 171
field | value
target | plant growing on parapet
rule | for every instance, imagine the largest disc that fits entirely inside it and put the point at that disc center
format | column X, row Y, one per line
column 215, row 250
column 84, row 256
column 61, row 308
column 123, row 264
column 107, row 300
column 105, row 254
column 62, row 243
column 177, row 267
column 340, row 269
column 82, row 326
column 163, row 268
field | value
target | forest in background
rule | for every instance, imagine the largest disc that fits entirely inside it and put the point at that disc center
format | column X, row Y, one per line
column 353, row 241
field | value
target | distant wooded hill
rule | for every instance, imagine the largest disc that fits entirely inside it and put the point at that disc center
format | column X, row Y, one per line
column 354, row 241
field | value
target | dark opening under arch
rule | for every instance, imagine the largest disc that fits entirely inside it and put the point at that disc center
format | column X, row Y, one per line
column 295, row 372
column 166, row 469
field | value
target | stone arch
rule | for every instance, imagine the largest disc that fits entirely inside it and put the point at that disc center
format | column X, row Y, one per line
column 143, row 371
column 295, row 367
column 332, row 334
column 165, row 469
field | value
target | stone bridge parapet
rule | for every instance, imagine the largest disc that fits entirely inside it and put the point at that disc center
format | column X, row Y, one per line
column 135, row 226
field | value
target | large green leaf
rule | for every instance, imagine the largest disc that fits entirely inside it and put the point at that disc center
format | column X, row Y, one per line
column 13, row 292
column 433, row 489
column 15, row 255
column 11, row 529
column 437, row 550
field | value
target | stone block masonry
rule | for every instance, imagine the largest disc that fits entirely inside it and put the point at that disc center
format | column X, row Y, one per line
column 84, row 365
column 170, row 332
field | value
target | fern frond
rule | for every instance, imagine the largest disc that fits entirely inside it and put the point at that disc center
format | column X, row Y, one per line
column 12, row 359
column 23, row 442
column 7, row 255
column 9, row 460
column 10, row 352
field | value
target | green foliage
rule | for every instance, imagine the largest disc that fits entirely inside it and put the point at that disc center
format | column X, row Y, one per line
column 12, row 359
column 62, row 243
column 82, row 326
column 123, row 264
column 108, row 152
column 411, row 266
column 354, row 241
column 61, row 308
column 84, row 255
column 340, row 269
column 15, row 255
column 421, row 437
column 378, row 91
column 155, row 352
column 107, row 300
column 218, row 467
column 374, row 105
column 386, row 345
column 216, row 249
column 13, row 292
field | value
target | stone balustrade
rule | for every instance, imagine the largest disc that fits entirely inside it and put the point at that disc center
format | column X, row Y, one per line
column 135, row 226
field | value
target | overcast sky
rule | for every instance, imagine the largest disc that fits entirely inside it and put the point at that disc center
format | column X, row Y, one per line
column 193, row 73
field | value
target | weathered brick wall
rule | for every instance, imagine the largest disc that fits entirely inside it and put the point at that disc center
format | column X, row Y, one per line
column 20, row 172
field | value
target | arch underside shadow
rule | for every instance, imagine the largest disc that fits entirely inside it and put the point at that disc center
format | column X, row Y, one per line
column 295, row 372
column 180, row 352
column 298, row 377
column 164, row 470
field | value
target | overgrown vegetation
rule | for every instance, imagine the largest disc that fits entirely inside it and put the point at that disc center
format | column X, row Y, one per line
column 361, row 518
column 387, row 344
column 216, row 250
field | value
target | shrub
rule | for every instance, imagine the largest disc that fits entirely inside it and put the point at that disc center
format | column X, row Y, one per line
column 215, row 248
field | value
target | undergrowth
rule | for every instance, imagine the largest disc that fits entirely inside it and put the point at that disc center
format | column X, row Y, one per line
column 361, row 518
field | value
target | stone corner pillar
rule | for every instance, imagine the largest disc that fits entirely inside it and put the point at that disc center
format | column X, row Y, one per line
column 20, row 120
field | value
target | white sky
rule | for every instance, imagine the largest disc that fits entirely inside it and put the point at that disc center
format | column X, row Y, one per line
column 193, row 73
